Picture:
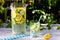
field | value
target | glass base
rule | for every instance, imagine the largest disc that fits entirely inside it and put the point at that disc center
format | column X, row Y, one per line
column 34, row 35
column 19, row 29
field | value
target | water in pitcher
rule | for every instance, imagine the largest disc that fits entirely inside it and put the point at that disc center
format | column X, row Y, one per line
column 18, row 19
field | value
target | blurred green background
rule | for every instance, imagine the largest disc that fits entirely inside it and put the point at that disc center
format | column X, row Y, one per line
column 51, row 8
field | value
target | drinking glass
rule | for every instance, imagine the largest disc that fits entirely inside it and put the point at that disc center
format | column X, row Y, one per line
column 34, row 29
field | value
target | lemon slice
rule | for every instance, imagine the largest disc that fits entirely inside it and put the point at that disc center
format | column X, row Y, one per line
column 35, row 27
column 13, row 21
column 32, row 27
column 13, row 14
column 22, row 10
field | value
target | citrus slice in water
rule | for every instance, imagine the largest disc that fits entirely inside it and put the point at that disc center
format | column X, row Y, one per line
column 13, row 14
column 21, row 10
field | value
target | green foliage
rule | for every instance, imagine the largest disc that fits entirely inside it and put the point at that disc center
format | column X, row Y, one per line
column 49, row 19
column 1, row 9
column 2, row 2
column 49, row 7
column 58, row 27
column 1, row 25
column 24, row 0
column 0, row 20
column 39, row 12
column 9, row 25
column 49, row 2
column 1, row 6
column 53, row 2
column 46, row 17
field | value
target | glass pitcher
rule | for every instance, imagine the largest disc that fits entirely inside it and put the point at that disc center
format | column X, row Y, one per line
column 18, row 17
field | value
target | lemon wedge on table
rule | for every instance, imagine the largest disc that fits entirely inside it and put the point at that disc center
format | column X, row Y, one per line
column 46, row 36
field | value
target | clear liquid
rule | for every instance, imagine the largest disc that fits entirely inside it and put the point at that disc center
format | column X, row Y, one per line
column 18, row 18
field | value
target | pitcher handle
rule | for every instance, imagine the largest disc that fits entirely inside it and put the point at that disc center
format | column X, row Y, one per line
column 6, row 9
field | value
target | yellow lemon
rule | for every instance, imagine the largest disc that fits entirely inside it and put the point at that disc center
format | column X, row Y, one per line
column 22, row 10
column 13, row 14
column 13, row 21
column 35, row 27
column 32, row 27
column 21, row 21
column 17, row 14
column 46, row 36
column 18, row 22
column 20, row 15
